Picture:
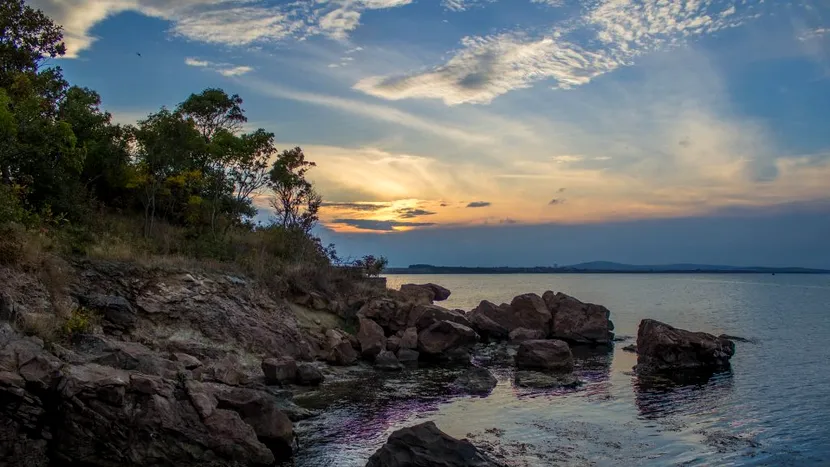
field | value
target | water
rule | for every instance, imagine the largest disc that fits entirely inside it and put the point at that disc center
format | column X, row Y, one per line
column 772, row 409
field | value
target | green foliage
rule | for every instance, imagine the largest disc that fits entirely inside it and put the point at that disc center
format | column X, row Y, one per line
column 27, row 37
column 79, row 322
column 371, row 265
column 295, row 202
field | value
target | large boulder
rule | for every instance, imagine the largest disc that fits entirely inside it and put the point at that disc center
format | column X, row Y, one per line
column 387, row 361
column 424, row 316
column 425, row 293
column 665, row 349
column 445, row 335
column 409, row 339
column 371, row 337
column 340, row 351
column 524, row 334
column 309, row 375
column 425, row 445
column 552, row 355
column 117, row 312
column 279, row 370
column 391, row 315
column 476, row 380
column 578, row 323
column 525, row 311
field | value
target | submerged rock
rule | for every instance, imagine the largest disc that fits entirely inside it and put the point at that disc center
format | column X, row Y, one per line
column 538, row 380
column 279, row 370
column 425, row 445
column 387, row 361
column 476, row 381
column 408, row 355
column 309, row 375
column 664, row 349
column 554, row 355
column 577, row 322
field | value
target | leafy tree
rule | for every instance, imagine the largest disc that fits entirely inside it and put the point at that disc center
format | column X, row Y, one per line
column 212, row 111
column 371, row 265
column 295, row 202
column 27, row 38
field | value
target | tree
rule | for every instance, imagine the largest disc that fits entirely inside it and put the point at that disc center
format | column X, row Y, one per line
column 249, row 171
column 295, row 202
column 371, row 265
column 27, row 38
column 213, row 110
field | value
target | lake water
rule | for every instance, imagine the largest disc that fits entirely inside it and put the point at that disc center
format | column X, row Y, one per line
column 772, row 409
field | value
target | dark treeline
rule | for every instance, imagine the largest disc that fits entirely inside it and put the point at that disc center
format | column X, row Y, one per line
column 182, row 180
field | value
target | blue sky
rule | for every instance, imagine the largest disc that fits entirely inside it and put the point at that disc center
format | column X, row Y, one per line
column 469, row 131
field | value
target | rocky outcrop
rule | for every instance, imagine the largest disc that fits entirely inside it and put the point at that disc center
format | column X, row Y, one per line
column 476, row 380
column 371, row 337
column 526, row 311
column 444, row 336
column 552, row 355
column 94, row 414
column 309, row 375
column 425, row 445
column 424, row 316
column 425, row 293
column 392, row 315
column 578, row 323
column 665, row 349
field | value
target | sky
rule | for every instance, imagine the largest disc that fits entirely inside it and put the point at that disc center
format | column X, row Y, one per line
column 508, row 132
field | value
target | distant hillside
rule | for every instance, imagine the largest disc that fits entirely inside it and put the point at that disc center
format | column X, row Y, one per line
column 605, row 267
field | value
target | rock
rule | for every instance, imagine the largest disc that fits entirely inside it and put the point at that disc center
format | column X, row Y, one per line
column 371, row 337
column 553, row 355
column 126, row 356
column 117, row 311
column 738, row 339
column 407, row 355
column 429, row 292
column 409, row 339
column 665, row 349
column 386, row 361
column 535, row 379
column 391, row 315
column 578, row 323
column 445, row 335
column 279, row 370
column 190, row 362
column 309, row 375
column 393, row 343
column 425, row 445
column 530, row 312
column 483, row 320
column 226, row 371
column 424, row 316
column 476, row 381
column 524, row 334
column 341, row 351
column 630, row 348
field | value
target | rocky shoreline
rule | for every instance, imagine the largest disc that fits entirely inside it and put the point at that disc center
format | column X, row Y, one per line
column 204, row 369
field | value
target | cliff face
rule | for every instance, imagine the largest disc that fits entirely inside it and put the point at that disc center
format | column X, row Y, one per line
column 167, row 373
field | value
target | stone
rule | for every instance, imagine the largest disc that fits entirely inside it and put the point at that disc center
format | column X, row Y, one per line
column 227, row 371
column 552, row 355
column 409, row 339
column 279, row 370
column 408, row 355
column 371, row 337
column 578, row 323
column 538, row 380
column 445, row 335
column 476, row 380
column 117, row 311
column 309, row 375
column 393, row 343
column 391, row 315
column 664, row 349
column 484, row 320
column 341, row 351
column 387, row 361
column 524, row 334
column 188, row 361
column 425, row 445
column 424, row 316
column 630, row 348
column 530, row 312
column 426, row 292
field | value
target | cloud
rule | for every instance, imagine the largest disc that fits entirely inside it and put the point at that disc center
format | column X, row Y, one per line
column 227, row 22
column 813, row 34
column 561, row 190
column 554, row 3
column 409, row 213
column 556, row 201
column 479, row 204
column 486, row 67
column 564, row 159
column 380, row 225
column 508, row 221
column 366, row 207
column 463, row 5
column 224, row 69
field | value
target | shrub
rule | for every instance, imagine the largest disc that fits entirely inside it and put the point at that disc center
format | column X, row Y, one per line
column 80, row 321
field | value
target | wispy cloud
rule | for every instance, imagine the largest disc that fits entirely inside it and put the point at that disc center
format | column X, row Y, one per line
column 464, row 5
column 486, row 67
column 479, row 204
column 380, row 225
column 410, row 213
column 224, row 69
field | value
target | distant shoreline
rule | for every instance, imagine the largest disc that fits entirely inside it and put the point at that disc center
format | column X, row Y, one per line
column 623, row 269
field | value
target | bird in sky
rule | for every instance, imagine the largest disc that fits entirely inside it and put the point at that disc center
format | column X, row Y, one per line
column 138, row 54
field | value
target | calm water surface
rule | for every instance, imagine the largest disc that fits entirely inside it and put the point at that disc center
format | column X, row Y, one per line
column 772, row 409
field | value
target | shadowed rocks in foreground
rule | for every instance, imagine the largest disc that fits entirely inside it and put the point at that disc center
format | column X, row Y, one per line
column 425, row 445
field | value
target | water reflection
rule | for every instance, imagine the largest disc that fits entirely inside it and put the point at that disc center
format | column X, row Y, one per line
column 685, row 394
